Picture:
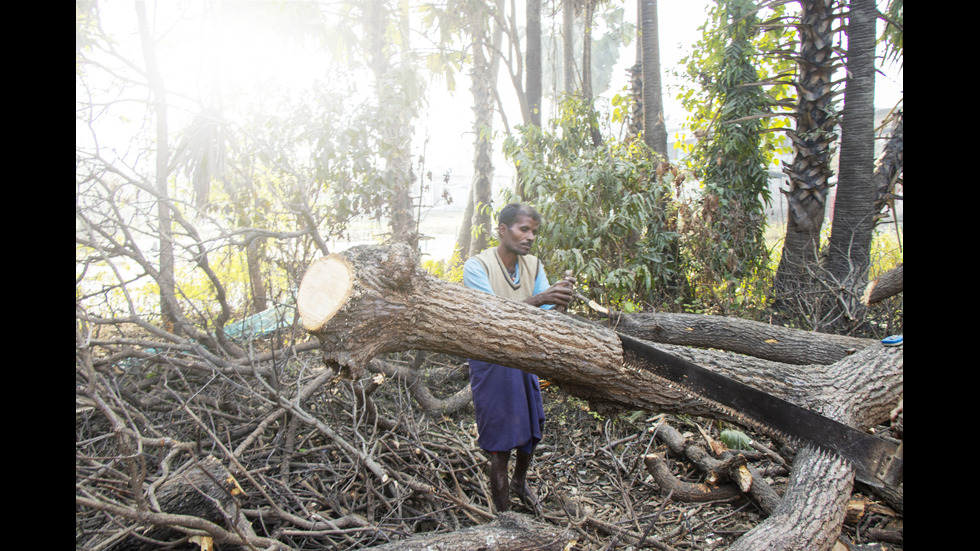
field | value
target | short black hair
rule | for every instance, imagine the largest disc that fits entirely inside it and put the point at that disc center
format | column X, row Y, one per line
column 510, row 213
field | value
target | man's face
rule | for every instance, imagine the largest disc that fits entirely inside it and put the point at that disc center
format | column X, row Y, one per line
column 519, row 237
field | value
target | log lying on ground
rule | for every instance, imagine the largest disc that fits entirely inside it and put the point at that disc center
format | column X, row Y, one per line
column 752, row 338
column 508, row 532
column 202, row 495
column 887, row 285
column 369, row 301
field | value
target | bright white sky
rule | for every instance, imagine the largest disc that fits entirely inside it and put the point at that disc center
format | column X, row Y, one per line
column 252, row 58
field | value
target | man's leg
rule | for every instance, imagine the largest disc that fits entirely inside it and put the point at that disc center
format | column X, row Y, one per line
column 499, row 489
column 519, row 483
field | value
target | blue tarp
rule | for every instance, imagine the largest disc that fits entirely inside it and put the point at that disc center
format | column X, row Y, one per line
column 261, row 324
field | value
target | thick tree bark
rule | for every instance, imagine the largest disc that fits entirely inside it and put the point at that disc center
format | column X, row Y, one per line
column 890, row 167
column 810, row 172
column 369, row 301
column 812, row 509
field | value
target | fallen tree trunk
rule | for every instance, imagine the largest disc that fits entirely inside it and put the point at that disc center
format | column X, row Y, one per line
column 887, row 285
column 196, row 500
column 760, row 340
column 369, row 301
column 508, row 532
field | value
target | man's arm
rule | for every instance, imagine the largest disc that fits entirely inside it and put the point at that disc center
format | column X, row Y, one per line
column 548, row 296
column 475, row 277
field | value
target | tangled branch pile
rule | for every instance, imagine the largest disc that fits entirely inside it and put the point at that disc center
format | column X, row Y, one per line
column 276, row 452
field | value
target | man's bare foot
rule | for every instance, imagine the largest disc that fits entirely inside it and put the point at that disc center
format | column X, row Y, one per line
column 527, row 496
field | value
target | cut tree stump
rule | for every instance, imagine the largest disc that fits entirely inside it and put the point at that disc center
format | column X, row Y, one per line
column 373, row 300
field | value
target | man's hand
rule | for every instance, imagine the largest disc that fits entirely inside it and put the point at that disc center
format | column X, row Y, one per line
column 560, row 294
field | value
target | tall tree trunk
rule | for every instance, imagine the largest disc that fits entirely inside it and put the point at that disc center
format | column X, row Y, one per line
column 654, row 123
column 396, row 134
column 809, row 174
column 465, row 235
column 404, row 227
column 482, row 89
column 589, row 9
column 890, row 167
column 532, row 65
column 168, row 300
column 532, row 79
column 568, row 45
column 848, row 254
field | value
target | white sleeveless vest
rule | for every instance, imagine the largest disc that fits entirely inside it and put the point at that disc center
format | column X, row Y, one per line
column 500, row 281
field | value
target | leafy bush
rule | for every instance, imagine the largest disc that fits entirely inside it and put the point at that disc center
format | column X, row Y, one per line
column 607, row 208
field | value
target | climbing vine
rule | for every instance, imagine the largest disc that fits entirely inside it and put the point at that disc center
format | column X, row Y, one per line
column 735, row 109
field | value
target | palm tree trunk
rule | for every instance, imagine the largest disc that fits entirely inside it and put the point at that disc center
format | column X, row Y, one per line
column 809, row 174
column 654, row 123
column 847, row 256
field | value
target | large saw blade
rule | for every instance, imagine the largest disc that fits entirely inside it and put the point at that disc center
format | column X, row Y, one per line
column 877, row 462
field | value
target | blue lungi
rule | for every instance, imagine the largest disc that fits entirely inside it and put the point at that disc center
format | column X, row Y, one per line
column 509, row 409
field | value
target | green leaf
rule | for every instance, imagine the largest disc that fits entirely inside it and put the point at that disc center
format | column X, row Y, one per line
column 736, row 440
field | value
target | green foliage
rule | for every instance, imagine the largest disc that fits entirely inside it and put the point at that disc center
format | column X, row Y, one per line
column 892, row 34
column 449, row 270
column 603, row 208
column 736, row 440
column 724, row 246
column 336, row 148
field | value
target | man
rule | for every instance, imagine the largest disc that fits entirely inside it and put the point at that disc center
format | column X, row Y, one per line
column 509, row 410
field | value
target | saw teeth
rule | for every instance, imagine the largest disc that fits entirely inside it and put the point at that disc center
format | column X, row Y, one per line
column 736, row 416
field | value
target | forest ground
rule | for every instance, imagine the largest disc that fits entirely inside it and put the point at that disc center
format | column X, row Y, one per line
column 589, row 471
column 589, row 474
